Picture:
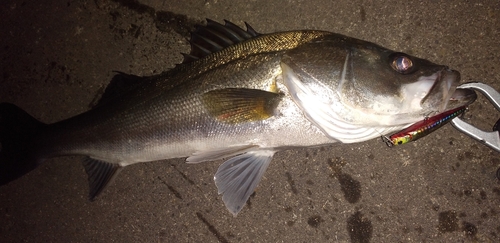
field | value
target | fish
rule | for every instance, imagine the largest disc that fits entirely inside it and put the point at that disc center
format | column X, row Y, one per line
column 239, row 96
column 423, row 128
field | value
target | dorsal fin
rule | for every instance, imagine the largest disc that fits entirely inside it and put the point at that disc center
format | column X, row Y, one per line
column 214, row 37
column 119, row 85
column 123, row 83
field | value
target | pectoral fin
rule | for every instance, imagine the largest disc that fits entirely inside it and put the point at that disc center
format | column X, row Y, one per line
column 237, row 178
column 236, row 105
column 100, row 174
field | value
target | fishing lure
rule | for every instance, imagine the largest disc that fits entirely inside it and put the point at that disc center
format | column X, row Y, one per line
column 422, row 128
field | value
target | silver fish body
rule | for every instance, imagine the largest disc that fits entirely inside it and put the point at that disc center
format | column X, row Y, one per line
column 242, row 96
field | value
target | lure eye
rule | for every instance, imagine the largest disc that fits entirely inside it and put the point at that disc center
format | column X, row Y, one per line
column 401, row 140
column 401, row 63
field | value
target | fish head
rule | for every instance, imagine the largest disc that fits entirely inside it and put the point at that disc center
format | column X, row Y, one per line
column 355, row 90
column 428, row 87
column 398, row 88
column 362, row 84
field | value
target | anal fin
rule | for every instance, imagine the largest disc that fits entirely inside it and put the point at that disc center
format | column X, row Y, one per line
column 237, row 178
column 100, row 174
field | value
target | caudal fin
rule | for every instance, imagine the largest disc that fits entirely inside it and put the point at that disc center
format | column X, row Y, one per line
column 17, row 128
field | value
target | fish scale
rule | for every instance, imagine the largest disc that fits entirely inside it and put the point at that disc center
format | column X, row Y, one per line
column 241, row 96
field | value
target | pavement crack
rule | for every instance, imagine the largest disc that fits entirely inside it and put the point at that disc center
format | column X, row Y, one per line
column 291, row 182
column 211, row 228
column 171, row 188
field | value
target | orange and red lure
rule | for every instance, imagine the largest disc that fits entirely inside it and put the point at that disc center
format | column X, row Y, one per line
column 422, row 128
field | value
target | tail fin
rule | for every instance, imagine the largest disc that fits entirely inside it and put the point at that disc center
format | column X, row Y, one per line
column 17, row 128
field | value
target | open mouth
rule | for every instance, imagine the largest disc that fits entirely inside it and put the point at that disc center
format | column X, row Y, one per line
column 464, row 96
column 445, row 93
column 457, row 97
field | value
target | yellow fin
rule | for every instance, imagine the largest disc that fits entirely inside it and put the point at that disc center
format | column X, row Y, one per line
column 237, row 105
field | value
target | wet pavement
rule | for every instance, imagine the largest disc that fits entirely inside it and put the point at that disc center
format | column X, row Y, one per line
column 58, row 56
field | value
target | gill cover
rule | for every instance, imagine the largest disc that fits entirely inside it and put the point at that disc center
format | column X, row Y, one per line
column 314, row 102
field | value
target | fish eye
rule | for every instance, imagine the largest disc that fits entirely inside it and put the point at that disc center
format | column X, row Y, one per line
column 401, row 63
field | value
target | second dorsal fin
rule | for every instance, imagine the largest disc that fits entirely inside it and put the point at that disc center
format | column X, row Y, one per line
column 214, row 37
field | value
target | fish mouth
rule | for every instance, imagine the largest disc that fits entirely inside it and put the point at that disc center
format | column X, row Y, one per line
column 444, row 94
column 461, row 97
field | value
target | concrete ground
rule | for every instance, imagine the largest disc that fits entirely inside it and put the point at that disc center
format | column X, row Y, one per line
column 57, row 56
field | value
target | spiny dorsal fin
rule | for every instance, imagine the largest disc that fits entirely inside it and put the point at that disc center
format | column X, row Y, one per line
column 238, row 105
column 100, row 174
column 214, row 37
